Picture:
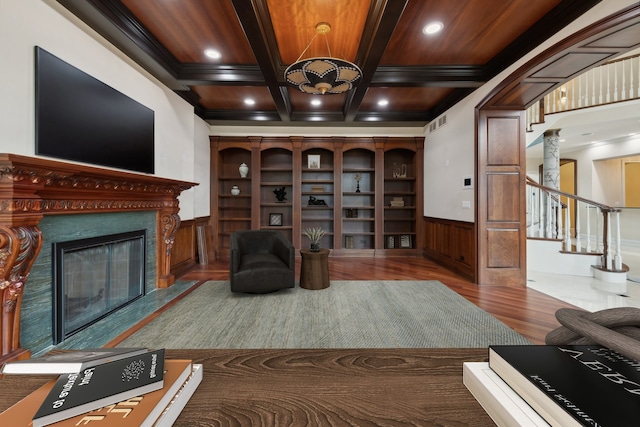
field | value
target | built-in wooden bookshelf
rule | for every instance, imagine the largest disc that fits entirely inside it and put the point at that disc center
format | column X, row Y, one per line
column 317, row 199
column 359, row 199
column 276, row 190
column 400, row 199
column 366, row 193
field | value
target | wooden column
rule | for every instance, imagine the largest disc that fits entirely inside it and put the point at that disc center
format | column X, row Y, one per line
column 31, row 188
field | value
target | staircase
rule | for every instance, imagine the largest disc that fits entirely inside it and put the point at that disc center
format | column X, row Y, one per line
column 557, row 243
column 556, row 240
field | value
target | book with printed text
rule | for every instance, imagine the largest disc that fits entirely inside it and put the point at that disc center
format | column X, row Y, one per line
column 76, row 393
column 139, row 411
column 587, row 385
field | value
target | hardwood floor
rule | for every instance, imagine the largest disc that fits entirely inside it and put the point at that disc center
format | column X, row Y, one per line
column 529, row 312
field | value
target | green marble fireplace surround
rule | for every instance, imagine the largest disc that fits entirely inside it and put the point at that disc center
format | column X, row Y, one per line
column 37, row 301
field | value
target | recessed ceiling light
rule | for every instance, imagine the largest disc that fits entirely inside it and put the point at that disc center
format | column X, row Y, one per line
column 432, row 28
column 383, row 102
column 249, row 101
column 213, row 54
column 316, row 102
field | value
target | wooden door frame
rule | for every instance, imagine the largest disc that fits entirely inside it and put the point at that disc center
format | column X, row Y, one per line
column 500, row 142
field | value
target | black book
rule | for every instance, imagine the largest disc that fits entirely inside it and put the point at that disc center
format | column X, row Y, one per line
column 586, row 385
column 101, row 385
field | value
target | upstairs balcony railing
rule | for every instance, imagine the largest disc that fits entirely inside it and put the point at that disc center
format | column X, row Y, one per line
column 615, row 81
column 550, row 216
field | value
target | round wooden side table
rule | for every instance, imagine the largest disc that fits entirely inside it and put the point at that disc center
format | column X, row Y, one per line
column 314, row 270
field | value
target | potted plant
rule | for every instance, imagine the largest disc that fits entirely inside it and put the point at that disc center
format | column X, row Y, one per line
column 315, row 234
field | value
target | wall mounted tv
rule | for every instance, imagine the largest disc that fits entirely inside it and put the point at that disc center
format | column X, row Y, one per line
column 79, row 118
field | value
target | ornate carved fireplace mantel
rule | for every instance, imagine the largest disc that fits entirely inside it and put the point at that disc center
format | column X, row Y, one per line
column 33, row 187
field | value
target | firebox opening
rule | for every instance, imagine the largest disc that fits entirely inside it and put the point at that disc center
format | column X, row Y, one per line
column 94, row 277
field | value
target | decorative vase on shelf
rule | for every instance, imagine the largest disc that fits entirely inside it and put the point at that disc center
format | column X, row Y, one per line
column 235, row 190
column 244, row 170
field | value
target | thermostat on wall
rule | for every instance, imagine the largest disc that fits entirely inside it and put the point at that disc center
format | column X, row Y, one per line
column 467, row 182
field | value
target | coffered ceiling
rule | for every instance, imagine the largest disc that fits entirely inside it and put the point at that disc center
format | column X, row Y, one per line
column 419, row 76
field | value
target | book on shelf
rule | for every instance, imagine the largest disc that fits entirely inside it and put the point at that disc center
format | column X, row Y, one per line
column 158, row 408
column 505, row 407
column 79, row 392
column 70, row 361
column 572, row 385
column 397, row 202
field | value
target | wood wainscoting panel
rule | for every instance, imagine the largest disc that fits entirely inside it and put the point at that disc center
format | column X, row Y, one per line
column 183, row 252
column 502, row 206
column 501, row 152
column 503, row 248
column 452, row 244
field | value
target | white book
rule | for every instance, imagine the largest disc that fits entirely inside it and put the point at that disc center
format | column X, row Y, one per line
column 173, row 409
column 505, row 407
column 70, row 361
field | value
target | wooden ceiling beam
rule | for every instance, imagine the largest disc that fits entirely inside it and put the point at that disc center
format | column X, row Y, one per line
column 113, row 21
column 257, row 27
column 561, row 16
column 228, row 75
column 432, row 75
column 382, row 20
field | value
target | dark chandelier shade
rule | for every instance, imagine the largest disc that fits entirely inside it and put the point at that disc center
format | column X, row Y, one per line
column 323, row 75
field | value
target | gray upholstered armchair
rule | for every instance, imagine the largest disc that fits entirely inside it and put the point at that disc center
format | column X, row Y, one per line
column 261, row 261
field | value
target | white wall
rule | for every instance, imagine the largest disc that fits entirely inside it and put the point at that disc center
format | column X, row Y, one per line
column 180, row 139
column 450, row 151
column 201, row 167
column 599, row 177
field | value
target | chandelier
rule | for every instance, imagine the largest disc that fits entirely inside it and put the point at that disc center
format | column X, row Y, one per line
column 322, row 75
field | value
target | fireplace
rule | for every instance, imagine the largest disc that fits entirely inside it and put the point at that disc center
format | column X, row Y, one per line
column 94, row 277
column 34, row 189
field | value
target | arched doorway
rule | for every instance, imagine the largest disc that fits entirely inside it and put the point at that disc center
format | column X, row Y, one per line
column 500, row 140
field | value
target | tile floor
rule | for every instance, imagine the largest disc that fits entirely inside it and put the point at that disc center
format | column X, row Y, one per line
column 589, row 293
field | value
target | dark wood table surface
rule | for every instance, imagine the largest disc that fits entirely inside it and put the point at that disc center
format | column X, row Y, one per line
column 334, row 387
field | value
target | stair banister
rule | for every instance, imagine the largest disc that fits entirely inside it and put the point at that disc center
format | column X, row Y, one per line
column 578, row 238
column 615, row 81
column 567, row 226
column 618, row 257
column 611, row 258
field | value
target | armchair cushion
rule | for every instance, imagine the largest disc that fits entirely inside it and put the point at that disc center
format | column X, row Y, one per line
column 261, row 261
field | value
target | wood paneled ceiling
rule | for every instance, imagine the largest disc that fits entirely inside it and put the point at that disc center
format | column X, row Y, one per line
column 419, row 76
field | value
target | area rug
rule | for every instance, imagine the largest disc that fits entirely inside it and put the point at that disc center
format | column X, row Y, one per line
column 348, row 314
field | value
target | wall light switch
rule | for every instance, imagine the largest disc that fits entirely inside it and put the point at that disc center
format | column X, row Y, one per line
column 466, row 204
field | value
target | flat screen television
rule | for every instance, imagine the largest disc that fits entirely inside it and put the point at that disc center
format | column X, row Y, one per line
column 80, row 118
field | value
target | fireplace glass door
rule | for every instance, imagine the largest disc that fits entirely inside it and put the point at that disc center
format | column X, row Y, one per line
column 95, row 277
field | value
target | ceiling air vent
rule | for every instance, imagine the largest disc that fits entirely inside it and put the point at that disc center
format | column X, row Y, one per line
column 442, row 120
column 433, row 126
